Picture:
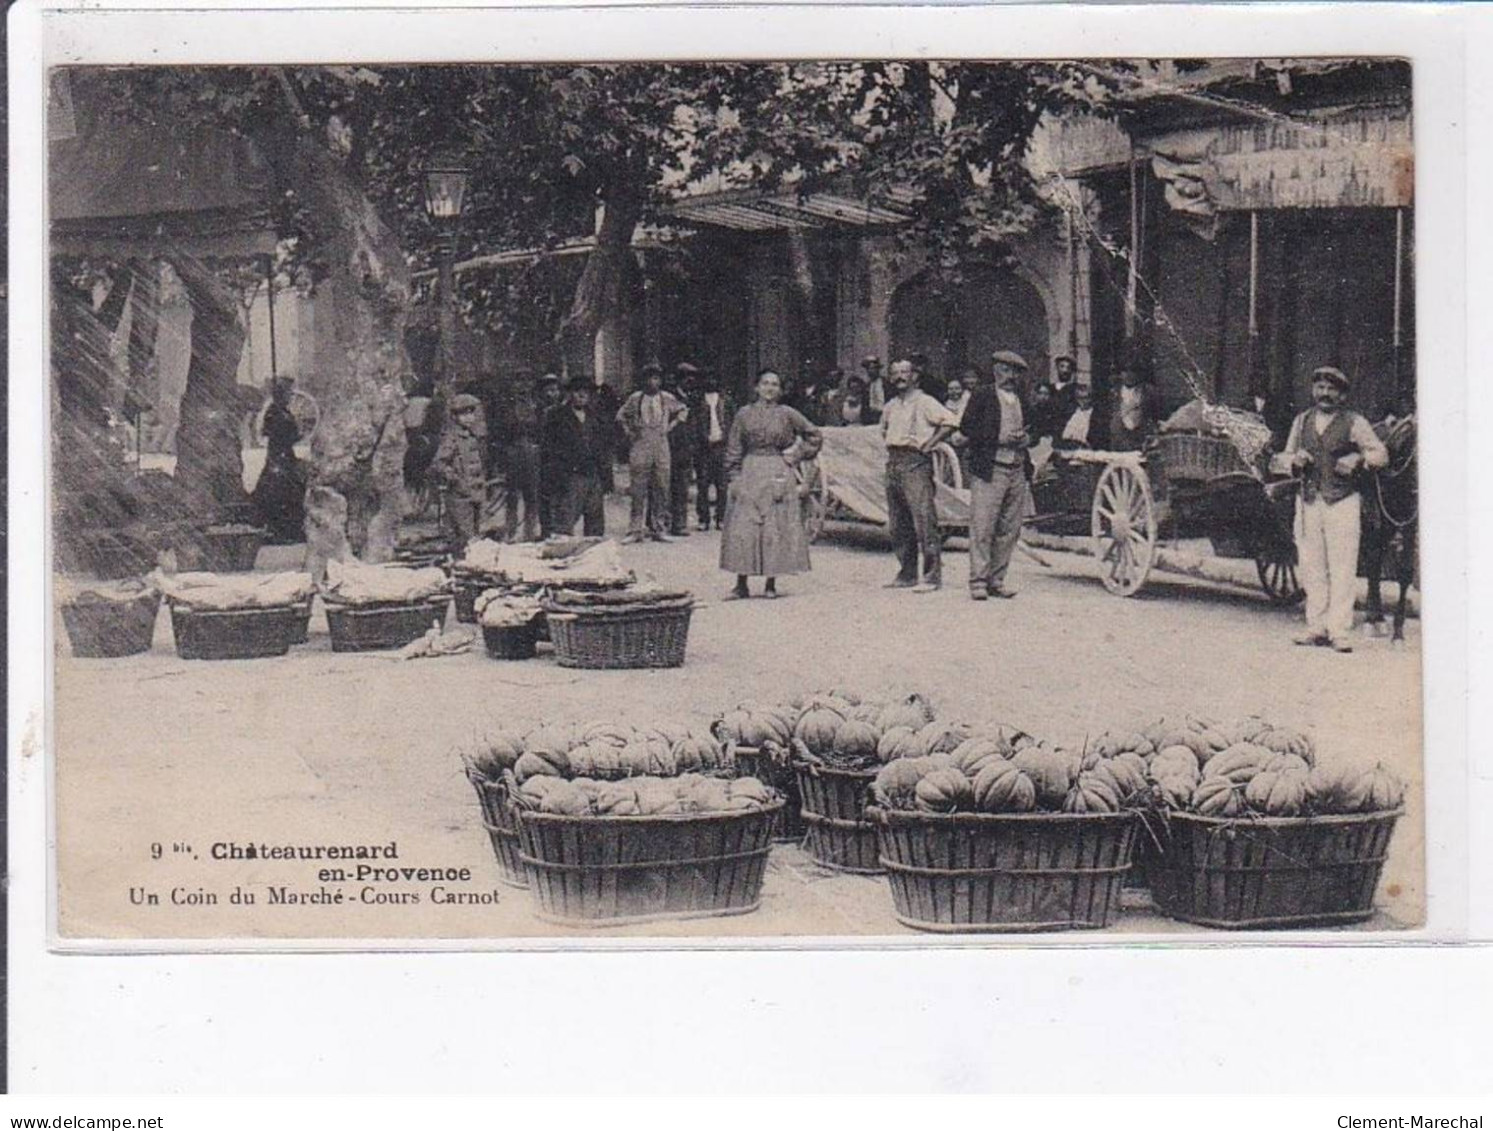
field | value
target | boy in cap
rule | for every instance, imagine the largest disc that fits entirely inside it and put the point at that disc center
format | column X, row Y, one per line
column 1328, row 447
column 459, row 468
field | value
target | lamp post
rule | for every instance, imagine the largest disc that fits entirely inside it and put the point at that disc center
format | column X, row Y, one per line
column 445, row 197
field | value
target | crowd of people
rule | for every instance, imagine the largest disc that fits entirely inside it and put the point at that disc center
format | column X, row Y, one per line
column 541, row 461
column 556, row 443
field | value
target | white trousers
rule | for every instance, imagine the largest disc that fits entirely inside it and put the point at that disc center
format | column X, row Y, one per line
column 1327, row 552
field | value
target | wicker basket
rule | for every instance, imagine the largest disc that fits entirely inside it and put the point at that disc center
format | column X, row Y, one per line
column 467, row 592
column 603, row 871
column 1271, row 872
column 230, row 550
column 979, row 872
column 235, row 634
column 375, row 627
column 1186, row 455
column 510, row 642
column 500, row 819
column 755, row 762
column 834, row 816
column 649, row 637
column 100, row 628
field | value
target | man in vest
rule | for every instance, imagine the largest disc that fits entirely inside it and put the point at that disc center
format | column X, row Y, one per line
column 647, row 418
column 1328, row 447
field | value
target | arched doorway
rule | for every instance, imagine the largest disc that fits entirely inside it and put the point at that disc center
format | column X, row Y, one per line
column 993, row 308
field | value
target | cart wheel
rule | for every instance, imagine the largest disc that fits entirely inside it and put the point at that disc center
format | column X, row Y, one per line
column 1124, row 528
column 1278, row 576
column 816, row 505
column 946, row 469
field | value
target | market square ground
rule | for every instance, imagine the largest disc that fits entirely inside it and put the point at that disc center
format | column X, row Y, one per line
column 325, row 748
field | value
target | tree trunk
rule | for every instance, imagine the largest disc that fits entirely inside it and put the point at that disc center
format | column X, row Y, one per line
column 209, row 458
column 355, row 496
column 598, row 295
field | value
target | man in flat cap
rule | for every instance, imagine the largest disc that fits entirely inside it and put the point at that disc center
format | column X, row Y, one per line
column 995, row 424
column 648, row 417
column 1329, row 447
column 459, row 468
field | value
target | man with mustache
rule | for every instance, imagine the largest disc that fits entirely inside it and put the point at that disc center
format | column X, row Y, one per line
column 1329, row 446
column 912, row 425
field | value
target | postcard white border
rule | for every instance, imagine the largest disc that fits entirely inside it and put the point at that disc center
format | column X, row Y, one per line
column 1435, row 37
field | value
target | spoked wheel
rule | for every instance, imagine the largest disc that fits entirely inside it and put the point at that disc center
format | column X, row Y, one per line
column 816, row 502
column 1123, row 522
column 1278, row 576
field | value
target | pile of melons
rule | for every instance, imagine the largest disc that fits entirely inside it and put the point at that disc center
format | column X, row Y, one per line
column 1251, row 767
column 994, row 771
column 841, row 729
column 603, row 751
column 646, row 796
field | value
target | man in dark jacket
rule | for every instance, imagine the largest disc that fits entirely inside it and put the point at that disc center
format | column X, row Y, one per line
column 681, row 451
column 994, row 422
column 576, row 455
column 709, row 423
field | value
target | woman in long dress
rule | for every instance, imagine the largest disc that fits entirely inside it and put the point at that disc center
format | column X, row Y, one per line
column 279, row 496
column 764, row 532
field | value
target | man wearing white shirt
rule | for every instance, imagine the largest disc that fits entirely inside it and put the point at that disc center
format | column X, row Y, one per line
column 1075, row 430
column 875, row 387
column 1329, row 446
column 710, row 417
column 912, row 425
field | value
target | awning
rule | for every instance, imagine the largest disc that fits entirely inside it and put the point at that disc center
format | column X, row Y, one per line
column 129, row 188
column 752, row 210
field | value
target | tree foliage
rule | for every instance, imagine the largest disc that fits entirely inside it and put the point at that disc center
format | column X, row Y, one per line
column 549, row 144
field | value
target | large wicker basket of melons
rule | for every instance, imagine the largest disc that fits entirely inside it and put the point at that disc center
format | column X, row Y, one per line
column 1255, row 832
column 1003, row 832
column 620, row 824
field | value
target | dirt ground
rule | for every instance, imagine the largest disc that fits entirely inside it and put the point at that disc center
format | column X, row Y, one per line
column 158, row 759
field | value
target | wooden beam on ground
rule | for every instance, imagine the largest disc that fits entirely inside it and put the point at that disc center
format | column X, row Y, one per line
column 1238, row 572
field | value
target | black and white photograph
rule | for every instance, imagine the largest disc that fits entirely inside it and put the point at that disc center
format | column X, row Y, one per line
column 851, row 498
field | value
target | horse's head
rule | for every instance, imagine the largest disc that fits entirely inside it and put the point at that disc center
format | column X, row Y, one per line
column 1398, row 435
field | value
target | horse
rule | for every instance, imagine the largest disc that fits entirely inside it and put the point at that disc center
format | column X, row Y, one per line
column 1390, row 521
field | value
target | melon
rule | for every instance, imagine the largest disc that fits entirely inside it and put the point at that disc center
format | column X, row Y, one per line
column 897, row 742
column 1002, row 787
column 944, row 791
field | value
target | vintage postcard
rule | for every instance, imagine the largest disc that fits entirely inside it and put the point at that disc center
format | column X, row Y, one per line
column 887, row 498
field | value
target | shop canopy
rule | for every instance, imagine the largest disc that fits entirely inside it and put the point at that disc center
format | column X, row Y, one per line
column 128, row 189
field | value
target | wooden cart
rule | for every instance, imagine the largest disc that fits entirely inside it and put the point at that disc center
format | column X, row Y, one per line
column 1137, row 505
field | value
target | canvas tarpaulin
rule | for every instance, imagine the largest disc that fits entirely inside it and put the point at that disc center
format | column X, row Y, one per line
column 853, row 463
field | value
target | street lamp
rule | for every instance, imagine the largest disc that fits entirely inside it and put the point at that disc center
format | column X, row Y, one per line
column 445, row 190
column 445, row 197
